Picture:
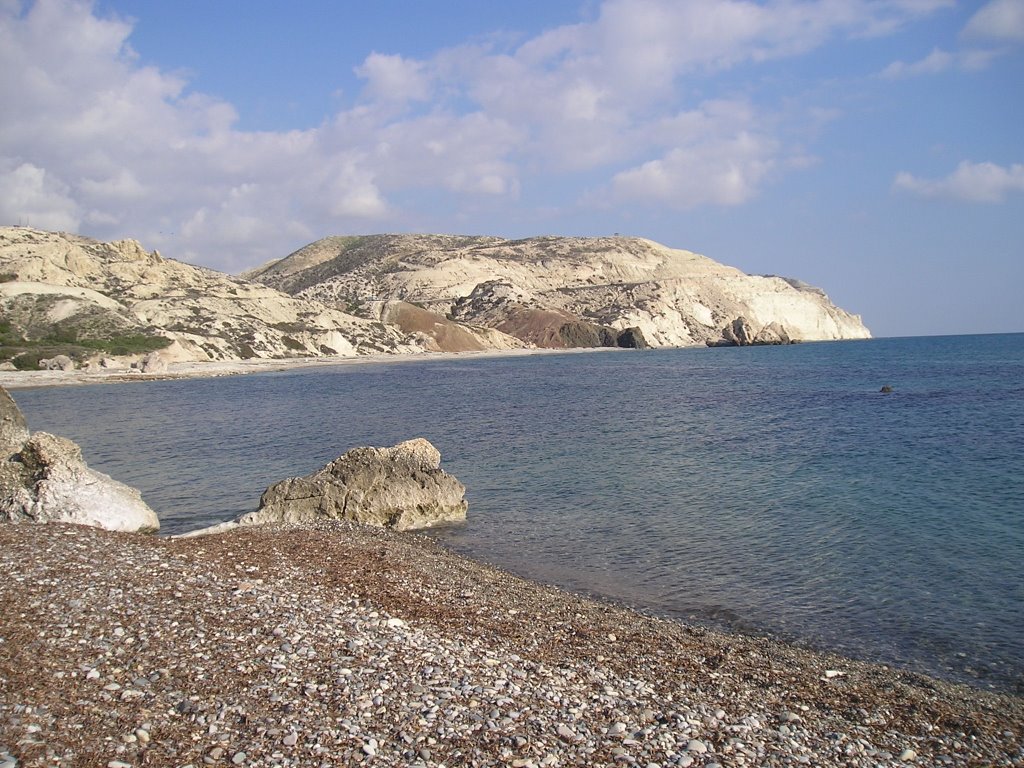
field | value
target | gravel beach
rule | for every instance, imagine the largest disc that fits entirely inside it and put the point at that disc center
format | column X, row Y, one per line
column 336, row 645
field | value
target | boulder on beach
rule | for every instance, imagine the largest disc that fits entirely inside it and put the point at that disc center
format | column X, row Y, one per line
column 43, row 478
column 401, row 487
column 154, row 362
column 58, row 363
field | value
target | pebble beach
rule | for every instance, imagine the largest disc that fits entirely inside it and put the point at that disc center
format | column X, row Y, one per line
column 338, row 645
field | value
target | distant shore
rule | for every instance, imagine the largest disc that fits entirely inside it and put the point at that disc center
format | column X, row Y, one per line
column 217, row 368
column 290, row 646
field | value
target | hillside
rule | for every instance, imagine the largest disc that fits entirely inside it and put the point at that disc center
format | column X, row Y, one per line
column 66, row 294
column 562, row 291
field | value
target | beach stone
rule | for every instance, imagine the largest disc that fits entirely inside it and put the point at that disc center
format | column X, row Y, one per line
column 696, row 746
column 908, row 756
column 152, row 363
column 401, row 487
column 58, row 363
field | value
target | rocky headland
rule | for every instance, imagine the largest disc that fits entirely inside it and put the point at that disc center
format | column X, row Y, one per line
column 71, row 304
column 563, row 292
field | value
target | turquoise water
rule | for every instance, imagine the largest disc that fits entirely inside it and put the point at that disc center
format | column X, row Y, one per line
column 770, row 490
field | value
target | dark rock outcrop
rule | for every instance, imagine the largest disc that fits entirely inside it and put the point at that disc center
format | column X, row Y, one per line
column 631, row 338
column 578, row 333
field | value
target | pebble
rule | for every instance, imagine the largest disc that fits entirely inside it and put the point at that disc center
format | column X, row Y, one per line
column 567, row 733
column 323, row 672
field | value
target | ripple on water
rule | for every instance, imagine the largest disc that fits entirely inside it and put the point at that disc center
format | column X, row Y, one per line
column 768, row 489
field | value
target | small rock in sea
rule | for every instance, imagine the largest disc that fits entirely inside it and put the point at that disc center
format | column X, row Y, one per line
column 886, row 389
column 908, row 756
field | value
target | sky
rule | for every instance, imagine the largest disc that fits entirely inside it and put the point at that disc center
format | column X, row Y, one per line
column 874, row 148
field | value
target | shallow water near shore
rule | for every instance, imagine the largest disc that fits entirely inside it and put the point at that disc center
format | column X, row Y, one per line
column 770, row 490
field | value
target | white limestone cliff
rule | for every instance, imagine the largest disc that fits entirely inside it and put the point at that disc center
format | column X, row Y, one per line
column 530, row 288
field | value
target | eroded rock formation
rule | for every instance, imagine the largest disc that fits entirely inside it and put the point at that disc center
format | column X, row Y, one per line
column 65, row 292
column 401, row 487
column 562, row 291
column 43, row 478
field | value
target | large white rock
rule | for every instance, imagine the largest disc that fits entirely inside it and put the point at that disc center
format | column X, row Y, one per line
column 43, row 478
column 54, row 484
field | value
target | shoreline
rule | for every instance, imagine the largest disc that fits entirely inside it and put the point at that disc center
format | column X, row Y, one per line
column 217, row 368
column 295, row 645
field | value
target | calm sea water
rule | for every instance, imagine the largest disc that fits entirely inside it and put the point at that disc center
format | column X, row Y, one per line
column 769, row 490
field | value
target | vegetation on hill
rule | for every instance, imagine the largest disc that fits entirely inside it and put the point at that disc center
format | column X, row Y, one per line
column 28, row 335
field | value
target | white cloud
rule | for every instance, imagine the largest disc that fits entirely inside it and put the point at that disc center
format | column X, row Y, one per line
column 973, row 182
column 392, row 78
column 998, row 20
column 98, row 139
column 720, row 171
column 32, row 197
column 939, row 61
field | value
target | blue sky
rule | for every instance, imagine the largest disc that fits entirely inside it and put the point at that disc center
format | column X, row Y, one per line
column 872, row 147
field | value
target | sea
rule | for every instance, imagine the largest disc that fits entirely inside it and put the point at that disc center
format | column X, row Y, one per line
column 765, row 490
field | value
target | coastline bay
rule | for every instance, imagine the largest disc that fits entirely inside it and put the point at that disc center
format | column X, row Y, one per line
column 767, row 490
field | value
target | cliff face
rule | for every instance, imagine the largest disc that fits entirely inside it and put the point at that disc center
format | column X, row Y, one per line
column 65, row 291
column 63, row 294
column 551, row 291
